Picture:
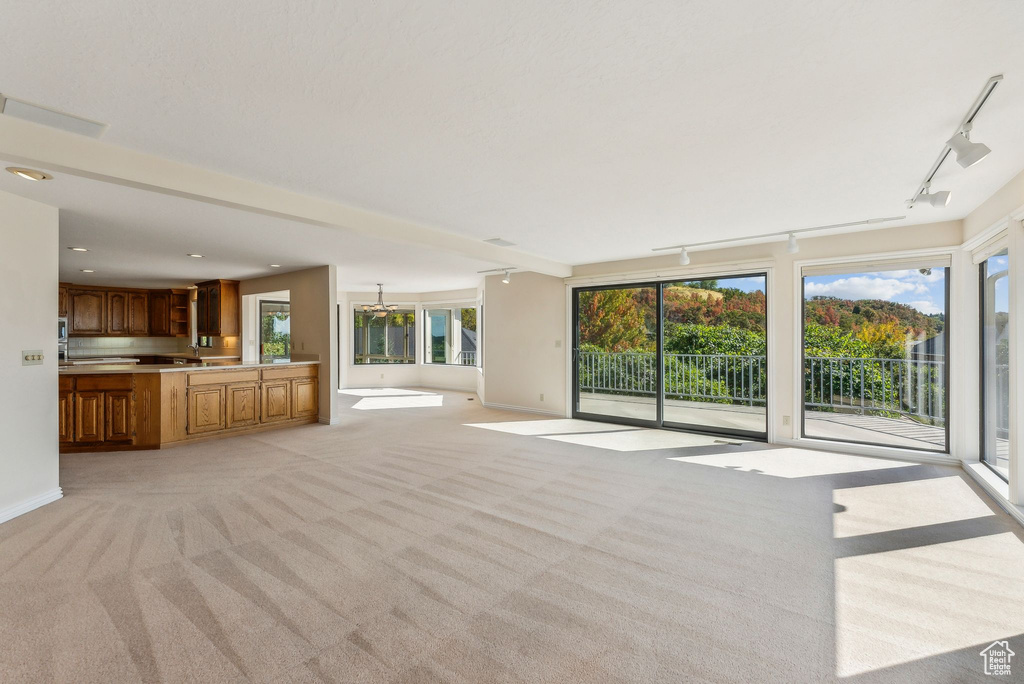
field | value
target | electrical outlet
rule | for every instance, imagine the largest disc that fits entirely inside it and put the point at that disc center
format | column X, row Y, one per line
column 542, row 396
column 558, row 344
column 381, row 376
column 785, row 420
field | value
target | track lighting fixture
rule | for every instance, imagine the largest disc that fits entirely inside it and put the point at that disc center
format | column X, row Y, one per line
column 967, row 153
column 684, row 257
column 937, row 199
column 792, row 247
column 507, row 278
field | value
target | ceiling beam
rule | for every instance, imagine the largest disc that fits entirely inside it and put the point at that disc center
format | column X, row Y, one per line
column 58, row 151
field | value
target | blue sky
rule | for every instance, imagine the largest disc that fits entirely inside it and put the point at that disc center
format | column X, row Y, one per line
column 925, row 292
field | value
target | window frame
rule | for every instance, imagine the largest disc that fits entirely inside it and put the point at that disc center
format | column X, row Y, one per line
column 452, row 308
column 259, row 327
column 871, row 264
column 381, row 359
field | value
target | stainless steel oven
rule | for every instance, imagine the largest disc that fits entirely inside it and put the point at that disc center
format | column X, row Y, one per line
column 62, row 339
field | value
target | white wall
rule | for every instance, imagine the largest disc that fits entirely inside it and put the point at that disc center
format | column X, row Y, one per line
column 525, row 345
column 29, row 465
column 313, row 294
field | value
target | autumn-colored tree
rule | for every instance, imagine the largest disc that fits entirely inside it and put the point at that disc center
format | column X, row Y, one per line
column 614, row 321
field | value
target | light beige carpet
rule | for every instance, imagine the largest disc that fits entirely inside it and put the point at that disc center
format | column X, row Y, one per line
column 404, row 545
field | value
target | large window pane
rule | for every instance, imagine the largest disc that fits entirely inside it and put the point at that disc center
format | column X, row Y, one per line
column 995, row 362
column 715, row 354
column 616, row 353
column 452, row 336
column 384, row 339
column 875, row 357
column 275, row 332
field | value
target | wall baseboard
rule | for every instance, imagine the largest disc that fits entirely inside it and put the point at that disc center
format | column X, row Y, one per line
column 522, row 409
column 329, row 421
column 30, row 505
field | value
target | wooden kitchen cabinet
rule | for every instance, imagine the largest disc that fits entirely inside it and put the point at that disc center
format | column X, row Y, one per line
column 151, row 409
column 138, row 313
column 117, row 312
column 159, row 313
column 304, row 398
column 218, row 308
column 119, row 415
column 243, row 404
column 66, row 428
column 276, row 400
column 62, row 301
column 88, row 414
column 206, row 409
column 87, row 312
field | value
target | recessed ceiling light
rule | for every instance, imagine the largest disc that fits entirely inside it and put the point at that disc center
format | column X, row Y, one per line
column 196, row 256
column 275, row 265
column 88, row 270
column 78, row 249
column 29, row 174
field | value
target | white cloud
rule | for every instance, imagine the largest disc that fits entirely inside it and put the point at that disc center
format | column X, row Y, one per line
column 865, row 287
column 925, row 306
column 933, row 276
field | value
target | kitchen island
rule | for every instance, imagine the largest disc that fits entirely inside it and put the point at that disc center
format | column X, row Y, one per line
column 151, row 406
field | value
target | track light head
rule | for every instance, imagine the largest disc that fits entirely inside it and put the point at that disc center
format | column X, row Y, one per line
column 792, row 247
column 507, row 278
column 936, row 199
column 967, row 153
column 684, row 257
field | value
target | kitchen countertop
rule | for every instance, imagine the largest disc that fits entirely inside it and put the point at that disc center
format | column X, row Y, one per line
column 103, row 369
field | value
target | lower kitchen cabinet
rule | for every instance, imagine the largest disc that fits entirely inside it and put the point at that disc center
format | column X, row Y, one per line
column 243, row 405
column 89, row 416
column 277, row 400
column 304, row 398
column 206, row 409
column 120, row 416
column 66, row 417
column 149, row 410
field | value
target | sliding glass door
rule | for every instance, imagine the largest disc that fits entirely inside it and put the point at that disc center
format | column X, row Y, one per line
column 715, row 362
column 689, row 354
column 617, row 354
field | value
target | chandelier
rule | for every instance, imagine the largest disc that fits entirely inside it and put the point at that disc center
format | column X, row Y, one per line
column 380, row 309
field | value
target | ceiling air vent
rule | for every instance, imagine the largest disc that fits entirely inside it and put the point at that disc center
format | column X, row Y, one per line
column 50, row 117
column 499, row 242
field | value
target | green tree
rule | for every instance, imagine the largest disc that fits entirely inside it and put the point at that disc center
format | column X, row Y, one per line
column 612, row 320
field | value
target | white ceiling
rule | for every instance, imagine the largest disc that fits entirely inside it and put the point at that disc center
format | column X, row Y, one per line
column 580, row 131
column 142, row 239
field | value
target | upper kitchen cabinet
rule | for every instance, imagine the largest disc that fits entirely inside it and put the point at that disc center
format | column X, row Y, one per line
column 138, row 313
column 117, row 312
column 160, row 313
column 62, row 301
column 125, row 312
column 87, row 312
column 218, row 307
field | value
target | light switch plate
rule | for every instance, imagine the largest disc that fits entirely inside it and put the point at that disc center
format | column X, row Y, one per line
column 32, row 357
